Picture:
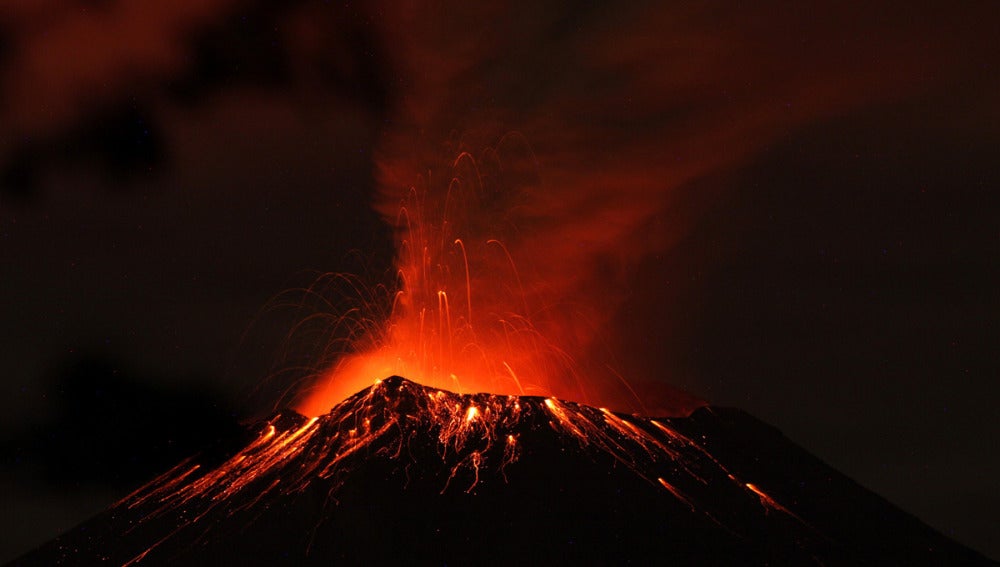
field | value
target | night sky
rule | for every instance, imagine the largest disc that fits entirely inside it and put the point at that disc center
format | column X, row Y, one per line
column 789, row 208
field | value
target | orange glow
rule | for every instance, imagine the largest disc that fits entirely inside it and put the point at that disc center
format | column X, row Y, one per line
column 463, row 315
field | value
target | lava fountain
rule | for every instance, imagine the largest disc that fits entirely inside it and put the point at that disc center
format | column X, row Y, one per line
column 463, row 314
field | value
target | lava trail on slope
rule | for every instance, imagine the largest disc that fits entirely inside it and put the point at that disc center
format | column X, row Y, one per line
column 400, row 472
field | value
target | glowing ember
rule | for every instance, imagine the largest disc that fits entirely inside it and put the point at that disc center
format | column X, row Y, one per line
column 769, row 502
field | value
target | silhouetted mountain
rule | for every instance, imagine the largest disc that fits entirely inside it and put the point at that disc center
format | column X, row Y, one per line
column 407, row 474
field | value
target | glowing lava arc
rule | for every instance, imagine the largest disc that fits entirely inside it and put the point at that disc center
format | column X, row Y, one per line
column 468, row 312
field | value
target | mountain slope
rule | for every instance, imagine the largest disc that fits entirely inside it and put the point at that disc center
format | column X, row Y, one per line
column 401, row 472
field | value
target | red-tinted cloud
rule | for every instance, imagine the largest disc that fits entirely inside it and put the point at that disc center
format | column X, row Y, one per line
column 67, row 57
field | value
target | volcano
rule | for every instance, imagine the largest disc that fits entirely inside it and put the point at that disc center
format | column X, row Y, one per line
column 400, row 472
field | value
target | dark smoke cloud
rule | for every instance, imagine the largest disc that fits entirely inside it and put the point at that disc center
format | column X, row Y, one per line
column 87, row 84
column 65, row 56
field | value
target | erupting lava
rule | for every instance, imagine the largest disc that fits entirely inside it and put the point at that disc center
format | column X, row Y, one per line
column 462, row 316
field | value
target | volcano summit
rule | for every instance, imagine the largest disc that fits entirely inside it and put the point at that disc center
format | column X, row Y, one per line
column 404, row 473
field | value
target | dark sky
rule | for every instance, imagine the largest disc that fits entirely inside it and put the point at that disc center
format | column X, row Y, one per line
column 790, row 208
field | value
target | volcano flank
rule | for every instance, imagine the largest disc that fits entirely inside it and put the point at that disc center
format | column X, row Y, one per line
column 404, row 473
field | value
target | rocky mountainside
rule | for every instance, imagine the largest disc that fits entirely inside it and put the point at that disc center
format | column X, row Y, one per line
column 404, row 473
